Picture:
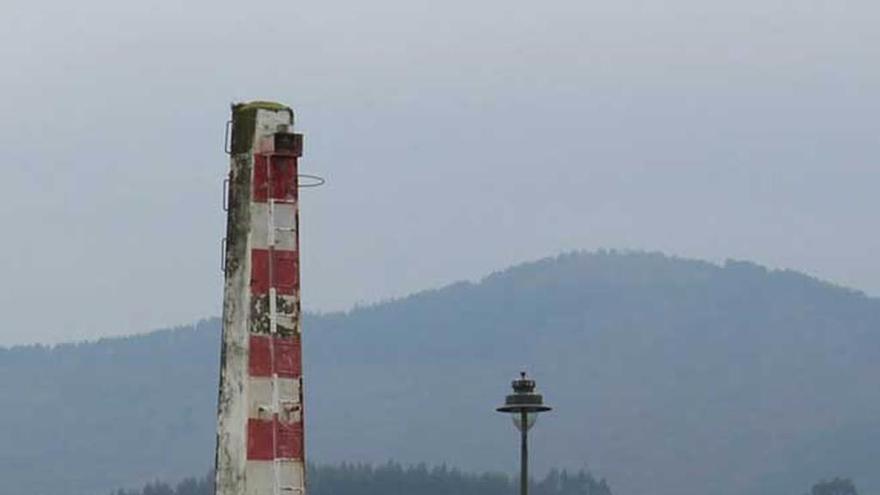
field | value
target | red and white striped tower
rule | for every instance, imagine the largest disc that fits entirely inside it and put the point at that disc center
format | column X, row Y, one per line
column 260, row 447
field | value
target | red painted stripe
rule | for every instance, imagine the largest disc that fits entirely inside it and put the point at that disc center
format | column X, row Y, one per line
column 259, row 440
column 260, row 355
column 285, row 271
column 259, row 271
column 284, row 178
column 288, row 356
column 288, row 438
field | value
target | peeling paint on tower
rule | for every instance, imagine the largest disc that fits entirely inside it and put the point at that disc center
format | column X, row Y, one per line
column 260, row 444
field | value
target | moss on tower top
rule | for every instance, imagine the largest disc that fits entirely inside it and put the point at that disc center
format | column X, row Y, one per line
column 244, row 122
column 257, row 105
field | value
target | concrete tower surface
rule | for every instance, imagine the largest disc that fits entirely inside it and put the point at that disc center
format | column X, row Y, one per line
column 260, row 445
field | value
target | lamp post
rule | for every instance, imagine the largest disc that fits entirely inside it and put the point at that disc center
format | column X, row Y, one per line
column 524, row 404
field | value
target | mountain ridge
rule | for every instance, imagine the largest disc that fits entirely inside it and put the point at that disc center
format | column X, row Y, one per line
column 499, row 273
column 667, row 374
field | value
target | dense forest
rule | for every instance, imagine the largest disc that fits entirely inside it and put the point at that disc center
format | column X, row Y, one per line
column 666, row 376
column 395, row 479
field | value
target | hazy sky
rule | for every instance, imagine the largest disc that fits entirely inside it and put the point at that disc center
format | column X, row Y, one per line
column 457, row 137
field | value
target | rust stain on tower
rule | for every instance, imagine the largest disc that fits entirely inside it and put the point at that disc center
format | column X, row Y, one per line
column 260, row 444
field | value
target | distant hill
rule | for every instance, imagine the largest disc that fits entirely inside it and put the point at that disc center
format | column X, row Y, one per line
column 668, row 376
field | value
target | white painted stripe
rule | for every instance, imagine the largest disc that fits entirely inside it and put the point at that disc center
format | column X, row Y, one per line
column 261, row 477
column 269, row 122
column 284, row 219
column 286, row 314
column 260, row 398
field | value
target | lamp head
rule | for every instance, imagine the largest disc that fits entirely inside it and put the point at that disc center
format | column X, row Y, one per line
column 524, row 399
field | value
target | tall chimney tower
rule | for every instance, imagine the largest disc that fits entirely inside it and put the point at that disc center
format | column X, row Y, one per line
column 260, row 445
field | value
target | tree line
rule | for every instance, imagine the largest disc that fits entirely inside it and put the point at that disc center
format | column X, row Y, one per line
column 394, row 478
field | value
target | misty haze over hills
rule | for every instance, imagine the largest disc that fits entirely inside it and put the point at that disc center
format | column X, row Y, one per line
column 668, row 376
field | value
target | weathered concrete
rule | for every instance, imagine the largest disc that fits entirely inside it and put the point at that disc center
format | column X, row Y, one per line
column 260, row 412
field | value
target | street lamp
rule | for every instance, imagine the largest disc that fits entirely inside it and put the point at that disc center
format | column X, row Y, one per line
column 524, row 404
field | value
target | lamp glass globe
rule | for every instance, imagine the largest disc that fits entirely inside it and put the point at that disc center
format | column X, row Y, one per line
column 530, row 420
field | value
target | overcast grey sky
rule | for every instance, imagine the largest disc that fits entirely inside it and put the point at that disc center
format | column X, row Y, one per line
column 457, row 137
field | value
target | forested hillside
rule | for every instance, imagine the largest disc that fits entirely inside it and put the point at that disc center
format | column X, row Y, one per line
column 667, row 376
column 395, row 479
